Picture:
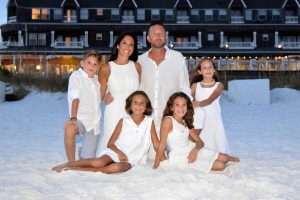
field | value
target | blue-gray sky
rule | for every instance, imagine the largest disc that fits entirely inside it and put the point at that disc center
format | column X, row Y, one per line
column 3, row 11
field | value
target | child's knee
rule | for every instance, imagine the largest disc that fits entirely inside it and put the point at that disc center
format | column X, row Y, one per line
column 223, row 157
column 218, row 166
column 71, row 131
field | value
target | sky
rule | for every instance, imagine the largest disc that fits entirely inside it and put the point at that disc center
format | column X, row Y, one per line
column 3, row 11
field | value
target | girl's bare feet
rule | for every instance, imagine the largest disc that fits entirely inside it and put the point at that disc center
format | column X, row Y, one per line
column 234, row 159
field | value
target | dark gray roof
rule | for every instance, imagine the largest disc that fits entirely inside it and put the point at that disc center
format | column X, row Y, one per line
column 200, row 4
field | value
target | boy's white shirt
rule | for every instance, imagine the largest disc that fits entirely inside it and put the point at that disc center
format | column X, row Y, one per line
column 87, row 90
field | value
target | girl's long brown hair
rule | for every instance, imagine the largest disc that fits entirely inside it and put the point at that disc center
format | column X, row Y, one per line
column 149, row 108
column 198, row 77
column 188, row 117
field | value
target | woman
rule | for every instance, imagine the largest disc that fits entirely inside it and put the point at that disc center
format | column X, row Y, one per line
column 118, row 79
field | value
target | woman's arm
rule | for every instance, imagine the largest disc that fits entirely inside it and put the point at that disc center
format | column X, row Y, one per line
column 165, row 128
column 212, row 97
column 111, row 143
column 138, row 69
column 103, row 75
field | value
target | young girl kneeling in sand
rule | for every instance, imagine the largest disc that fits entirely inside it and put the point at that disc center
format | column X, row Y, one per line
column 129, row 142
column 175, row 132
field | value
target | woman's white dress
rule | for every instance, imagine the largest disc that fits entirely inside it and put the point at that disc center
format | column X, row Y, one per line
column 123, row 80
column 179, row 147
column 213, row 133
column 134, row 140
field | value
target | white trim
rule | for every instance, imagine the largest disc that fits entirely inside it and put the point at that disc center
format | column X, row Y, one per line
column 133, row 1
column 245, row 6
column 74, row 1
column 283, row 5
column 187, row 2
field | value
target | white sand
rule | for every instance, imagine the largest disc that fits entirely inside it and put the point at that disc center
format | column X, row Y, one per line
column 267, row 139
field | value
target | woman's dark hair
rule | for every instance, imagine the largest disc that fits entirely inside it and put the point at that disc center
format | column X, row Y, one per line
column 114, row 51
column 188, row 117
column 149, row 108
column 198, row 77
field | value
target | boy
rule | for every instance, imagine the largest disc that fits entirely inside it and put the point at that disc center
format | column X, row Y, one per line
column 84, row 108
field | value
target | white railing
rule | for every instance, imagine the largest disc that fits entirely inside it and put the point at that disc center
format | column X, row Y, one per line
column 237, row 19
column 184, row 45
column 8, row 43
column 183, row 19
column 12, row 19
column 70, row 19
column 128, row 19
column 291, row 19
column 256, row 65
column 62, row 44
column 290, row 45
column 239, row 45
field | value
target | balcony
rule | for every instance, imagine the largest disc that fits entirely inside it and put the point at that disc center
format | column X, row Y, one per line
column 128, row 19
column 239, row 45
column 291, row 19
column 237, row 19
column 8, row 43
column 184, row 45
column 12, row 19
column 183, row 19
column 70, row 18
column 290, row 45
column 67, row 45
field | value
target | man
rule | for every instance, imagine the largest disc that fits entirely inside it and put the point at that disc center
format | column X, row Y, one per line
column 164, row 71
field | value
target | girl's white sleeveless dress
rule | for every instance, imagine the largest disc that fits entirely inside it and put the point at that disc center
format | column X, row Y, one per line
column 123, row 80
column 179, row 147
column 134, row 140
column 213, row 133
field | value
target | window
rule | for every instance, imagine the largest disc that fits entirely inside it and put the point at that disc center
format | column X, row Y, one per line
column 115, row 14
column 265, row 37
column 84, row 14
column 32, row 39
column 195, row 12
column 155, row 14
column 35, row 14
column 169, row 14
column 140, row 14
column 210, row 37
column 41, row 39
column 275, row 14
column 262, row 14
column 57, row 14
column 249, row 15
column 98, row 36
column 208, row 15
column 222, row 15
column 99, row 12
column 45, row 14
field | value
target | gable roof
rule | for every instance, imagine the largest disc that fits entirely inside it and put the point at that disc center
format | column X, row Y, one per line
column 284, row 3
column 242, row 1
column 187, row 1
column 133, row 1
column 64, row 1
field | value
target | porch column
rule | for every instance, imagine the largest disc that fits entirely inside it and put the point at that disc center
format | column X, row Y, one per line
column 199, row 39
column 254, row 39
column 221, row 39
column 86, row 39
column 111, row 38
column 19, row 38
column 47, row 66
column 276, row 39
column 52, row 38
column 144, row 39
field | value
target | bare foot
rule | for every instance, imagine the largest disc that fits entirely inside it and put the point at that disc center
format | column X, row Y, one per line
column 59, row 168
column 234, row 159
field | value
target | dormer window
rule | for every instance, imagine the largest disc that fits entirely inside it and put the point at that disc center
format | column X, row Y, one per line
column 169, row 14
column 35, row 14
column 140, row 14
column 222, row 15
column 275, row 14
column 84, row 14
column 115, row 14
column 248, row 15
column 40, row 14
column 155, row 14
column 57, row 14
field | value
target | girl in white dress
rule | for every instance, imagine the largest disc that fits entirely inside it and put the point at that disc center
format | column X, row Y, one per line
column 129, row 143
column 174, row 134
column 206, row 91
column 118, row 79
